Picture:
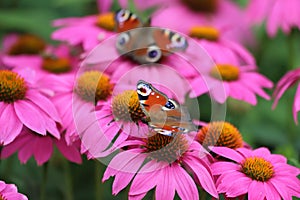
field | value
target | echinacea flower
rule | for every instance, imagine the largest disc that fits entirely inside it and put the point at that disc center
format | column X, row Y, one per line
column 54, row 60
column 30, row 143
column 23, row 104
column 237, row 82
column 288, row 80
column 223, row 15
column 10, row 192
column 76, row 94
column 161, row 162
column 258, row 173
column 278, row 14
column 87, row 31
column 16, row 44
column 220, row 133
column 118, row 118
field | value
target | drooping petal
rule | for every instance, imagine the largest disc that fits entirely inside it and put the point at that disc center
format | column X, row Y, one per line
column 42, row 149
column 165, row 189
column 71, row 152
column 184, row 184
column 10, row 125
column 204, row 176
column 146, row 179
column 30, row 116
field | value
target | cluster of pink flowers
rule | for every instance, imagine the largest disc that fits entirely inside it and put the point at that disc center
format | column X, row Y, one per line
column 79, row 96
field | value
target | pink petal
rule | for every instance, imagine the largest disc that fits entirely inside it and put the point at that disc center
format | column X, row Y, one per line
column 69, row 151
column 30, row 116
column 296, row 106
column 261, row 152
column 44, row 104
column 280, row 188
column 239, row 187
column 204, row 176
column 227, row 179
column 221, row 167
column 256, row 191
column 228, row 153
column 165, row 189
column 245, row 152
column 124, row 176
column 184, row 184
column 120, row 162
column 42, row 149
column 146, row 179
column 271, row 192
column 10, row 124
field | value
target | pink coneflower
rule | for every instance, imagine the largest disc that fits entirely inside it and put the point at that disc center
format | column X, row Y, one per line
column 258, row 173
column 86, row 31
column 117, row 119
column 161, row 162
column 54, row 60
column 77, row 98
column 23, row 104
column 219, row 14
column 10, row 192
column 17, row 44
column 30, row 143
column 277, row 14
column 287, row 81
column 226, row 80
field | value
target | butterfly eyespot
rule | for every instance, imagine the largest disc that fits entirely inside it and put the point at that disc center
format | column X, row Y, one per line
column 153, row 53
column 178, row 41
column 123, row 15
column 143, row 89
column 123, row 38
column 169, row 105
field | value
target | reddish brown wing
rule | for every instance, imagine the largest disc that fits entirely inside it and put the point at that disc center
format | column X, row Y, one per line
column 126, row 20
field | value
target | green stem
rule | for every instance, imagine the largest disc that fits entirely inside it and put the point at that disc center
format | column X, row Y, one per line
column 44, row 181
column 99, row 189
column 68, row 180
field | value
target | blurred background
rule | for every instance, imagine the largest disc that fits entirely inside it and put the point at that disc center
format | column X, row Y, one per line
column 260, row 125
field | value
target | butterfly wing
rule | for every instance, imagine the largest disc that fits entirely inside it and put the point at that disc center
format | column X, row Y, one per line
column 126, row 20
column 169, row 41
column 165, row 115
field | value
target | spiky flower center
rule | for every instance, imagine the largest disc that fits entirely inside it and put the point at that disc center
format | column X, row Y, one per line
column 2, row 198
column 126, row 106
column 225, row 72
column 166, row 148
column 56, row 65
column 106, row 21
column 220, row 134
column 12, row 86
column 27, row 44
column 93, row 86
column 258, row 169
column 205, row 32
column 208, row 6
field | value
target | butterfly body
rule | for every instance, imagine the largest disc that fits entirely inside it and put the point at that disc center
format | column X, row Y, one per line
column 165, row 116
column 142, row 43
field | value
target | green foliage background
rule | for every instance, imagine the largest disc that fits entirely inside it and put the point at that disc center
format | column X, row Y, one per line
column 259, row 125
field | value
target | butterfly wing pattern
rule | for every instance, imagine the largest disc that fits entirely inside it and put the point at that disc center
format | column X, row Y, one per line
column 164, row 115
column 145, row 45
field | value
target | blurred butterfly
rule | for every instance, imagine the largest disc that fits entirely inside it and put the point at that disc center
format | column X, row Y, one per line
column 166, row 116
column 145, row 44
